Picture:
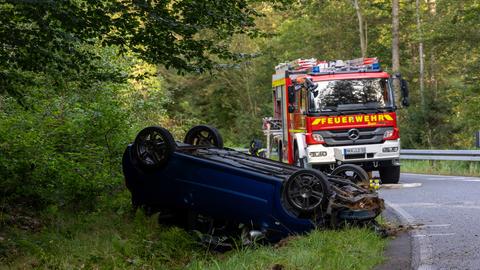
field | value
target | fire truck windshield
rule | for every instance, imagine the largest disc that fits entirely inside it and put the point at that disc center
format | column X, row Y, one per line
column 350, row 95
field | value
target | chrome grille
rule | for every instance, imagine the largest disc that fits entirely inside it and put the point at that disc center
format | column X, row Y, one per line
column 339, row 137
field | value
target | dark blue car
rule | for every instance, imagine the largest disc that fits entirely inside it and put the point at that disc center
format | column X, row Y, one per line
column 201, row 178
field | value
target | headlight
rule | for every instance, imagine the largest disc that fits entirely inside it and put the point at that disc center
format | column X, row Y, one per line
column 388, row 133
column 317, row 137
column 390, row 149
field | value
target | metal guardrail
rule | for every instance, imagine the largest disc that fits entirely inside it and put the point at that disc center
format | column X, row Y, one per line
column 419, row 154
column 461, row 155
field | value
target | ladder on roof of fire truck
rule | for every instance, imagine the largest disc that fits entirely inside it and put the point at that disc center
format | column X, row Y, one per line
column 313, row 66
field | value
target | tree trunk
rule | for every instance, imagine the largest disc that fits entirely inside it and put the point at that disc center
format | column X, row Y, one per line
column 432, row 8
column 366, row 37
column 396, row 47
column 420, row 55
column 363, row 41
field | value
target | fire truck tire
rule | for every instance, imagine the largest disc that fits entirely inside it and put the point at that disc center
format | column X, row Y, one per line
column 390, row 174
column 354, row 173
column 153, row 147
column 204, row 135
column 280, row 151
column 307, row 191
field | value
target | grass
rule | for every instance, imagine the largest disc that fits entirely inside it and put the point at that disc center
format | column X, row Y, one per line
column 442, row 167
column 116, row 239
column 352, row 248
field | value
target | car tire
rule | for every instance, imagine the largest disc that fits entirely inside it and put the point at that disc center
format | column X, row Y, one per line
column 390, row 174
column 352, row 172
column 204, row 135
column 307, row 192
column 153, row 147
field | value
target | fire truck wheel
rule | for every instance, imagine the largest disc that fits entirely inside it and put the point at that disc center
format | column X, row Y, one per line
column 390, row 174
column 280, row 151
column 153, row 147
column 354, row 173
column 204, row 135
column 307, row 191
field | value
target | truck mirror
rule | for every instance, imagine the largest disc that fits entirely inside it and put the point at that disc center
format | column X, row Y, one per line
column 291, row 94
column 310, row 84
column 405, row 93
column 291, row 108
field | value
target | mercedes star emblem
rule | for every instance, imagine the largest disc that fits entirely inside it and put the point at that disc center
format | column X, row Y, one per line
column 353, row 134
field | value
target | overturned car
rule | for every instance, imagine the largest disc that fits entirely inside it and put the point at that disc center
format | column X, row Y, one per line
column 199, row 179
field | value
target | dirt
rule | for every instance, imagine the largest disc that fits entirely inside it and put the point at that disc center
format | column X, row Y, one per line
column 21, row 219
column 285, row 241
column 277, row 267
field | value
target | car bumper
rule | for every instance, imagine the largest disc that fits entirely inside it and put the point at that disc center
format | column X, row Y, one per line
column 320, row 154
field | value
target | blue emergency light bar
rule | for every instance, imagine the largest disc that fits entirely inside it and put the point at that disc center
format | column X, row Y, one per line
column 349, row 66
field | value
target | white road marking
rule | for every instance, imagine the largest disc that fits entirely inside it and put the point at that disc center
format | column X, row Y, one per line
column 407, row 218
column 453, row 179
column 434, row 225
column 407, row 185
column 432, row 234
column 462, row 205
column 433, row 177
column 422, row 258
column 418, row 204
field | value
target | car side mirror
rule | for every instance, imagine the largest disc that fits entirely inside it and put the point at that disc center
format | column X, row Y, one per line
column 291, row 94
column 405, row 93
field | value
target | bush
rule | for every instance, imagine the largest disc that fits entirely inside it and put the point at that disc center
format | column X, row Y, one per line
column 63, row 143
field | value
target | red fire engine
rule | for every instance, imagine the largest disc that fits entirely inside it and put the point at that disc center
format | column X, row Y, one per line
column 330, row 113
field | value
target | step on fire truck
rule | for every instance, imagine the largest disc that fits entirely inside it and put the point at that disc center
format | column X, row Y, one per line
column 331, row 113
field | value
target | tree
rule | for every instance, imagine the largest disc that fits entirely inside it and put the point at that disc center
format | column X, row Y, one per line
column 361, row 30
column 185, row 35
column 396, row 46
column 421, row 56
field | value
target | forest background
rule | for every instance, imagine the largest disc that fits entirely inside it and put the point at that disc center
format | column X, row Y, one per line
column 74, row 90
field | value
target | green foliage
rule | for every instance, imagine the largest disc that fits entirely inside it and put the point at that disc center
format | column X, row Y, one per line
column 79, row 78
column 98, row 241
column 442, row 167
column 47, row 36
column 112, row 240
column 346, row 249
column 65, row 148
column 62, row 144
column 74, row 90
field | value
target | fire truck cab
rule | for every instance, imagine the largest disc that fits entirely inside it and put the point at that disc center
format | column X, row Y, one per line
column 330, row 113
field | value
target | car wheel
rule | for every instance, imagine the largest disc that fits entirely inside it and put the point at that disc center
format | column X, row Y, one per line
column 204, row 135
column 390, row 174
column 307, row 191
column 354, row 173
column 153, row 147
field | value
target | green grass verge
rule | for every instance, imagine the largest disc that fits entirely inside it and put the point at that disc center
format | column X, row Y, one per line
column 110, row 239
column 441, row 167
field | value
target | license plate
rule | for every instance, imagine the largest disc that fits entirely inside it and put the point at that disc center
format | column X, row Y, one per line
column 357, row 150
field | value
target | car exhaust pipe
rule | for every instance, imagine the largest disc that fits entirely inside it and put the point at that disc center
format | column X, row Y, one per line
column 255, row 235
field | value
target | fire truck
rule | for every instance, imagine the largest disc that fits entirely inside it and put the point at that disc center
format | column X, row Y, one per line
column 329, row 113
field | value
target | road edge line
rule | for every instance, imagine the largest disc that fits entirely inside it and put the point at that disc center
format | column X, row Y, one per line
column 422, row 253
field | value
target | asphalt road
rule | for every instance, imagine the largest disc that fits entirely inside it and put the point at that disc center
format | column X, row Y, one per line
column 445, row 212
